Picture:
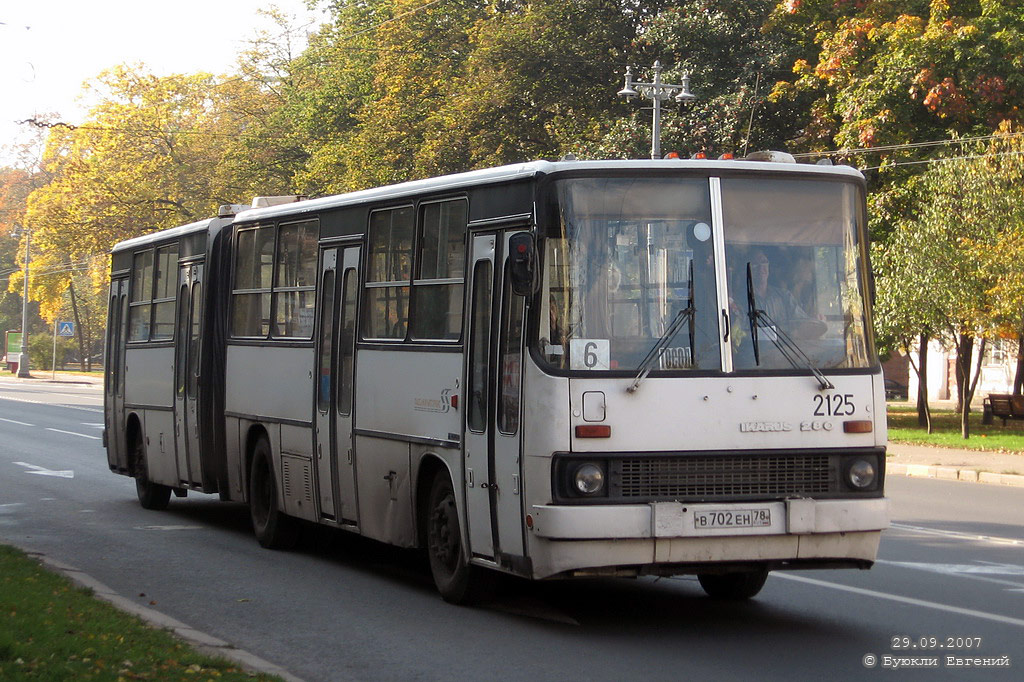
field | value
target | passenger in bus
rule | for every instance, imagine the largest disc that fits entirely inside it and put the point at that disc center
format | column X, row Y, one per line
column 780, row 304
column 802, row 284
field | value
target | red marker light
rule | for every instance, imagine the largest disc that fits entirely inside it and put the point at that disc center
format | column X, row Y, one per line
column 857, row 426
column 521, row 248
column 593, row 431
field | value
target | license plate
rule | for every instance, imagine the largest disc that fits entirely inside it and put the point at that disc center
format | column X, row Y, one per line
column 737, row 518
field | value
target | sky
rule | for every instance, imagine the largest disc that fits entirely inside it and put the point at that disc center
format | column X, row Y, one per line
column 49, row 48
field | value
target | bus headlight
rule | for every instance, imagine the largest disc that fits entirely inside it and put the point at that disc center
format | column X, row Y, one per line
column 588, row 479
column 860, row 474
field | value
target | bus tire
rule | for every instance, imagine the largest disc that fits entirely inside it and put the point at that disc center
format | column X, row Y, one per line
column 151, row 495
column 273, row 528
column 733, row 586
column 458, row 581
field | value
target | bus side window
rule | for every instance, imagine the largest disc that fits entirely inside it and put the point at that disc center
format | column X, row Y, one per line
column 165, row 281
column 295, row 280
column 386, row 306
column 480, row 325
column 440, row 271
column 323, row 392
column 347, row 341
column 510, row 356
column 251, row 294
column 139, row 310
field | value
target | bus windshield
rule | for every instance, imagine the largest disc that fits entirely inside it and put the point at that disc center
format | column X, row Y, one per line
column 631, row 270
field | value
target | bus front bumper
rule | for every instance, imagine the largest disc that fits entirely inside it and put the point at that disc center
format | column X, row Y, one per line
column 681, row 520
column 666, row 538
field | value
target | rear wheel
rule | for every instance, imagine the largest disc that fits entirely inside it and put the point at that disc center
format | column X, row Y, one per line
column 151, row 495
column 733, row 586
column 457, row 580
column 273, row 528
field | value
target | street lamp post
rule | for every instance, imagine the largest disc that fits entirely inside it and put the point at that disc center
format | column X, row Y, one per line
column 657, row 92
column 23, row 357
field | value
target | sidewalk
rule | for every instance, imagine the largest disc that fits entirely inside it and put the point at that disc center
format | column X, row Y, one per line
column 955, row 464
column 46, row 376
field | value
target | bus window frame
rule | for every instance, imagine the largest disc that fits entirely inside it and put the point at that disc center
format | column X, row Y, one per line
column 148, row 299
column 410, row 284
column 273, row 289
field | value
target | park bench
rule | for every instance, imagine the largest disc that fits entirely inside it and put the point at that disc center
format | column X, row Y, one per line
column 1004, row 406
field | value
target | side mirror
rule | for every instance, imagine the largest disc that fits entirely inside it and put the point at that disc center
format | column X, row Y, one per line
column 522, row 256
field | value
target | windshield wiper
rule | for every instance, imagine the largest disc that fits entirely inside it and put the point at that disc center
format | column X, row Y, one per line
column 787, row 347
column 687, row 314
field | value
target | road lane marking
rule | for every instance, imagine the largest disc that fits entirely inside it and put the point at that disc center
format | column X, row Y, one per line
column 988, row 568
column 42, row 471
column 903, row 600
column 9, row 505
column 168, row 527
column 972, row 571
column 15, row 421
column 95, row 425
column 958, row 535
column 44, row 402
column 72, row 433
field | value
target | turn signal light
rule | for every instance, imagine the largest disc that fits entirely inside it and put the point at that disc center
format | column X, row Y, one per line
column 858, row 426
column 593, row 431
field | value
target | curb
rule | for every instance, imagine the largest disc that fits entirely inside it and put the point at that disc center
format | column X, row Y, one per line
column 954, row 474
column 201, row 641
column 41, row 380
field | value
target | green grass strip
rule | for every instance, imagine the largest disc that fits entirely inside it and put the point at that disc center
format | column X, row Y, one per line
column 994, row 437
column 51, row 629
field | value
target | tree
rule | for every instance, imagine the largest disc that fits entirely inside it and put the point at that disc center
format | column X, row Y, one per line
column 148, row 157
column 734, row 56
column 16, row 184
column 896, row 73
column 939, row 271
column 417, row 48
column 1003, row 263
column 538, row 80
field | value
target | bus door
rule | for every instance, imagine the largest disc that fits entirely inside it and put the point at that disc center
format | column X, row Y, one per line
column 188, row 339
column 117, row 455
column 477, row 453
column 491, row 457
column 339, row 286
column 507, row 392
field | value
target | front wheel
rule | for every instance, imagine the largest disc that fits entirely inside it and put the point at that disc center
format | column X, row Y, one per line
column 273, row 528
column 457, row 580
column 151, row 495
column 733, row 586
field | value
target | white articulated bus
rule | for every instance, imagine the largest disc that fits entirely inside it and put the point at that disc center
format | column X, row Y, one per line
column 549, row 369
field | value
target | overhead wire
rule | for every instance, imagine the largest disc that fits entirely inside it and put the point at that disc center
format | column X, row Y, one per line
column 944, row 159
column 908, row 145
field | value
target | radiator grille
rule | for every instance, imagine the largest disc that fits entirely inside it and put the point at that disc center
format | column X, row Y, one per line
column 721, row 476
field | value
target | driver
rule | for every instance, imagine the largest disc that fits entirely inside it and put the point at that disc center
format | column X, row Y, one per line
column 781, row 306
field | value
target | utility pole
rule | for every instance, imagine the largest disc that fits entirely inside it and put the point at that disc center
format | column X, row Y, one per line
column 23, row 358
column 657, row 92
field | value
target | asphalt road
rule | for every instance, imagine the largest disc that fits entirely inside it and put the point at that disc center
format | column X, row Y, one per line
column 949, row 583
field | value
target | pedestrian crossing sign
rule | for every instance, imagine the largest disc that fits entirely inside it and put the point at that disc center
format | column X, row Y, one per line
column 65, row 329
